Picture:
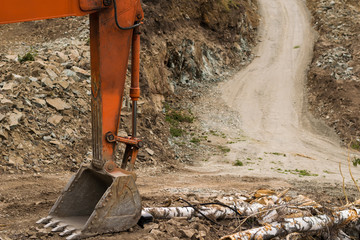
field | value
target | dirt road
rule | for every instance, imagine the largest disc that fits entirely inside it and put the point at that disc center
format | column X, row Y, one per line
column 268, row 127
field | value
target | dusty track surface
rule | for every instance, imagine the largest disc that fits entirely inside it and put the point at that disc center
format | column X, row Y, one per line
column 262, row 109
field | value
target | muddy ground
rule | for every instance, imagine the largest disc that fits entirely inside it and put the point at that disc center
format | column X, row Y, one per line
column 39, row 155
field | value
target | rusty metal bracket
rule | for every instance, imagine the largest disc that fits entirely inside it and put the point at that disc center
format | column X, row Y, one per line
column 110, row 137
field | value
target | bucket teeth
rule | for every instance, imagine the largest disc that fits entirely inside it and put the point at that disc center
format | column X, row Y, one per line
column 61, row 227
column 44, row 220
column 73, row 236
column 52, row 224
column 67, row 231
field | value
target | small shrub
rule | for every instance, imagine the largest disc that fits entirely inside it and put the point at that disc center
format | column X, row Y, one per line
column 305, row 173
column 224, row 149
column 176, row 132
column 178, row 116
column 356, row 161
column 29, row 56
column 355, row 145
column 238, row 163
column 195, row 140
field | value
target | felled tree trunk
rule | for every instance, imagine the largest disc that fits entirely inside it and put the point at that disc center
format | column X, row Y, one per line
column 291, row 225
column 188, row 212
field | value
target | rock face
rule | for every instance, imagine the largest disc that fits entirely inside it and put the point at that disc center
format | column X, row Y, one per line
column 192, row 43
column 45, row 104
column 334, row 75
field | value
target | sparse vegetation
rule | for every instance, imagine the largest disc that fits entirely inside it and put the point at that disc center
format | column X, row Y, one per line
column 176, row 116
column 195, row 140
column 355, row 145
column 276, row 153
column 356, row 161
column 301, row 173
column 29, row 56
column 224, row 149
column 217, row 134
column 176, row 132
column 238, row 163
column 305, row 173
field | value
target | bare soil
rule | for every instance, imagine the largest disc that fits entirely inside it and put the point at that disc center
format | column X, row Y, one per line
column 26, row 198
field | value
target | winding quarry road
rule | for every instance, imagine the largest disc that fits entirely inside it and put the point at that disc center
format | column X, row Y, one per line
column 268, row 100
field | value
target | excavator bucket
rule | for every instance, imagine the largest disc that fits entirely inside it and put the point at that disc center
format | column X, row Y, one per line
column 95, row 202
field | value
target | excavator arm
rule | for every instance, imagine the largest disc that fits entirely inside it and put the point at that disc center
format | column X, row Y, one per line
column 101, row 197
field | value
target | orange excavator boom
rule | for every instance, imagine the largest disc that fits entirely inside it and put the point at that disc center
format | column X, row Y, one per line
column 101, row 197
column 31, row 10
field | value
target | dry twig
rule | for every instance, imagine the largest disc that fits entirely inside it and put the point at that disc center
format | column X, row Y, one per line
column 343, row 186
column 352, row 177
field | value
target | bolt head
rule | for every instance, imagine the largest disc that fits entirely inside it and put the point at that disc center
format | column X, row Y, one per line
column 107, row 2
column 140, row 144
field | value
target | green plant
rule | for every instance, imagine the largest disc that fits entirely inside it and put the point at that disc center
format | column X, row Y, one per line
column 195, row 140
column 224, row 149
column 178, row 116
column 297, row 46
column 29, row 56
column 276, row 153
column 356, row 161
column 355, row 145
column 305, row 173
column 176, row 132
column 212, row 132
column 217, row 134
column 181, row 143
column 238, row 163
column 240, row 139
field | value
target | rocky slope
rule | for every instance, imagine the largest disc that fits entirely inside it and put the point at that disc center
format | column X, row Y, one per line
column 334, row 76
column 45, row 111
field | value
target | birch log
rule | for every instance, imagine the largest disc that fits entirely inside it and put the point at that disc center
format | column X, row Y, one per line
column 219, row 212
column 215, row 211
column 188, row 212
column 291, row 225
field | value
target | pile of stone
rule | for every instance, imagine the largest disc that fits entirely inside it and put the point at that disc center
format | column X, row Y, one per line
column 45, row 110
